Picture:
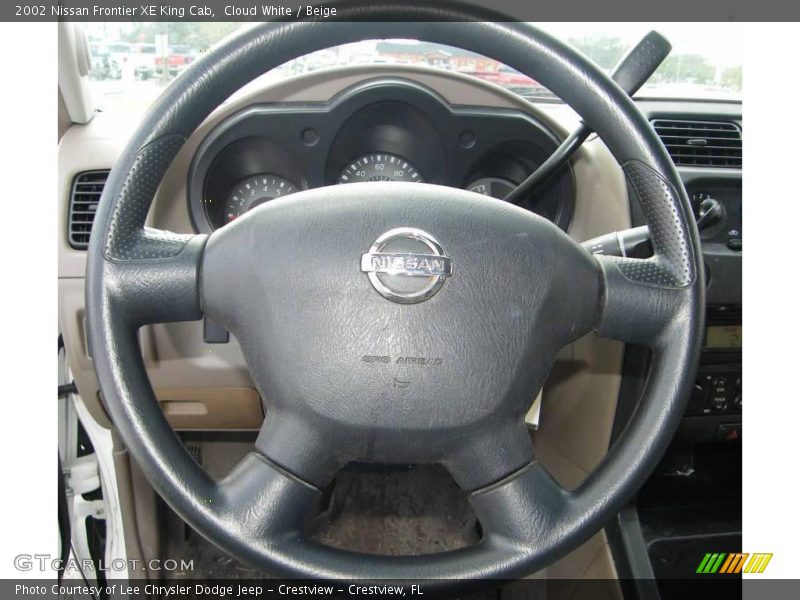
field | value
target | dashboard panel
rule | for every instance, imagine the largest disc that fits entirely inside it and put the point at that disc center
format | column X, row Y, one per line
column 188, row 370
column 380, row 130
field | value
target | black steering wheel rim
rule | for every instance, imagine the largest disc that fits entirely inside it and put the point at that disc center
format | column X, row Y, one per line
column 137, row 276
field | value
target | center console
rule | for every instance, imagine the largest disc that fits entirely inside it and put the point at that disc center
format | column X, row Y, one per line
column 714, row 412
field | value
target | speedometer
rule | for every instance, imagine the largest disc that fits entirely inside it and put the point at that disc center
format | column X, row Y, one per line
column 253, row 191
column 379, row 166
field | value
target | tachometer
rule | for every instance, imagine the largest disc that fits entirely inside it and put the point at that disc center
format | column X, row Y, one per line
column 379, row 166
column 253, row 191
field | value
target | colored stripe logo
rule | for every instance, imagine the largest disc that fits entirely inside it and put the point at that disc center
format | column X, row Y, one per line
column 720, row 562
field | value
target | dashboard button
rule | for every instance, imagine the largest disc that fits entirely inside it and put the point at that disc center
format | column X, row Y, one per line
column 719, row 403
column 720, row 389
column 730, row 432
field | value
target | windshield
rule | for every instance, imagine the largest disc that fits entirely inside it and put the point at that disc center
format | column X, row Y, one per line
column 133, row 62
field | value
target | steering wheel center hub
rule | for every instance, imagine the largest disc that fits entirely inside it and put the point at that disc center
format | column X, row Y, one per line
column 454, row 356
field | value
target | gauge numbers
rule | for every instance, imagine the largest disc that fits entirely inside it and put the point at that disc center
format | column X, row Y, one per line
column 253, row 191
column 379, row 166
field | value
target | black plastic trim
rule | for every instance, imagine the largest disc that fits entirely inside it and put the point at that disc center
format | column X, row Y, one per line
column 441, row 159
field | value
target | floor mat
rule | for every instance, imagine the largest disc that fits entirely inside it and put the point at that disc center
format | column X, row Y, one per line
column 402, row 511
column 212, row 563
column 209, row 562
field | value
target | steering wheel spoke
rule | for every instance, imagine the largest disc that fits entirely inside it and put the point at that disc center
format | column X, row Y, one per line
column 157, row 290
column 267, row 501
column 634, row 310
column 292, row 442
column 527, row 508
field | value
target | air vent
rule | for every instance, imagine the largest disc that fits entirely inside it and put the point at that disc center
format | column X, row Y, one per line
column 86, row 190
column 701, row 143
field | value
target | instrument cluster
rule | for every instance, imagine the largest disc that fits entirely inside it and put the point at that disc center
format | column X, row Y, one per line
column 385, row 130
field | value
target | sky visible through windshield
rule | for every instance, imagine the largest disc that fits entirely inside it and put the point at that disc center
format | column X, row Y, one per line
column 133, row 62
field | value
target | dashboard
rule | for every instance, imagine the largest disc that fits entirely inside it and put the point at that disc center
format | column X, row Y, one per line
column 381, row 130
column 401, row 122
column 398, row 122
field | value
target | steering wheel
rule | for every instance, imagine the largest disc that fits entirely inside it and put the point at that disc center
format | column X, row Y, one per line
column 394, row 323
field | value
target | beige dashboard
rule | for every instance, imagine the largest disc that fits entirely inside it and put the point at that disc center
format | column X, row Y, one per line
column 207, row 386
